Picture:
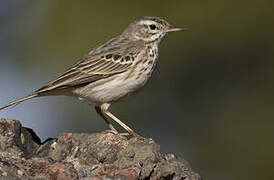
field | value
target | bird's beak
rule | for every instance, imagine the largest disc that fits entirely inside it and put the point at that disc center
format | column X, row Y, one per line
column 173, row 29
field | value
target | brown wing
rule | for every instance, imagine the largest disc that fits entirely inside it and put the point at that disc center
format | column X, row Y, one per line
column 90, row 69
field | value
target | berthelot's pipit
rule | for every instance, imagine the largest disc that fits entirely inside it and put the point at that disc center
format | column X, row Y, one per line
column 113, row 70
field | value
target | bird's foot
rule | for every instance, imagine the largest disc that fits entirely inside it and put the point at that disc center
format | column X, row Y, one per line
column 134, row 134
column 112, row 131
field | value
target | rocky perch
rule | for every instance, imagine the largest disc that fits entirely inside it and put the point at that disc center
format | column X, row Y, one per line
column 98, row 156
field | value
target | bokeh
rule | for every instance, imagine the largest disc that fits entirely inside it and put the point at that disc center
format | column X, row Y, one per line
column 210, row 100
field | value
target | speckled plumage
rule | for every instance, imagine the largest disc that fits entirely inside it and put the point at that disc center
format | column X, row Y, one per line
column 113, row 70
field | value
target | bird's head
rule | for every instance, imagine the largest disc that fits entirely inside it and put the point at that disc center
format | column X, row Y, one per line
column 149, row 29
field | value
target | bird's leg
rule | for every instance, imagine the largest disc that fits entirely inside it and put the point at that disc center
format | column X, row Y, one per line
column 128, row 129
column 99, row 111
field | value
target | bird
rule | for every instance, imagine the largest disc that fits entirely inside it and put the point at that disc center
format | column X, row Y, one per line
column 111, row 71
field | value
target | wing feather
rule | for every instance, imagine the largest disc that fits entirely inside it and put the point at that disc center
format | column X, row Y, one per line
column 100, row 63
column 87, row 71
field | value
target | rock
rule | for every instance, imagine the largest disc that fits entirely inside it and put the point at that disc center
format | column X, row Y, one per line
column 98, row 156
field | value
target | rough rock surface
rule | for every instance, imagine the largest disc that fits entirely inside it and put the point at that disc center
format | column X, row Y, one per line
column 98, row 156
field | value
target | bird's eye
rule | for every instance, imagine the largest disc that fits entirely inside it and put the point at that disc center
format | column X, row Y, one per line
column 152, row 26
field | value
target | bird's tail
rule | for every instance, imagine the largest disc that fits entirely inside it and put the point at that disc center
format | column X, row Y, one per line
column 17, row 101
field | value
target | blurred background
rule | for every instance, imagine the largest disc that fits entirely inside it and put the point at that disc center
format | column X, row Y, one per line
column 210, row 100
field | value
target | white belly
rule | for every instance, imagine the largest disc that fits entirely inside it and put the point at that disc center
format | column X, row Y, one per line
column 118, row 86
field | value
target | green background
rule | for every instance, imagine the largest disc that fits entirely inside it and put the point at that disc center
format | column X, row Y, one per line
column 210, row 100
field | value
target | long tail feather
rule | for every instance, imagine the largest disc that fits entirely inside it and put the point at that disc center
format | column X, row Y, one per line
column 17, row 101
